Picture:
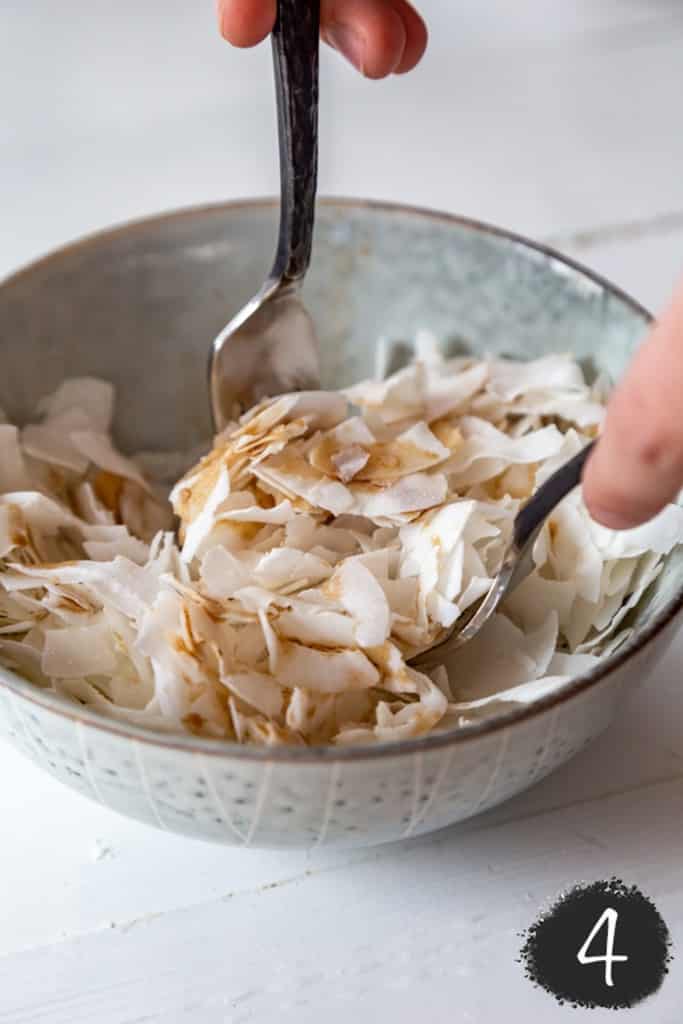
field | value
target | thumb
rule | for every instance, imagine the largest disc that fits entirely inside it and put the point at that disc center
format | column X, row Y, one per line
column 637, row 466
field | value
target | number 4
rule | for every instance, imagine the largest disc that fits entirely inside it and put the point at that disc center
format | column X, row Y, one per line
column 610, row 916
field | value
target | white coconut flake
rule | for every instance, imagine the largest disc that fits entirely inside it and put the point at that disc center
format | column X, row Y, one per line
column 413, row 493
column 80, row 651
column 348, row 462
column 325, row 671
column 525, row 693
column 43, row 514
column 51, row 441
column 222, row 573
column 486, row 451
column 395, row 398
column 278, row 516
column 447, row 394
column 261, row 691
column 92, row 397
column 509, row 379
column 363, row 598
column 99, row 449
column 8, row 529
column 316, row 626
column 283, row 566
column 13, row 473
column 660, row 536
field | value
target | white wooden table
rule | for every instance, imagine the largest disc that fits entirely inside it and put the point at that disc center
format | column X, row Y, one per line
column 559, row 120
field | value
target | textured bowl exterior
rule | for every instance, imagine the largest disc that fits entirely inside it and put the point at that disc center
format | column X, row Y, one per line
column 138, row 306
column 270, row 803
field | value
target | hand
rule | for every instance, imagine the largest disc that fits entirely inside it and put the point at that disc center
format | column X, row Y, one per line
column 637, row 466
column 379, row 37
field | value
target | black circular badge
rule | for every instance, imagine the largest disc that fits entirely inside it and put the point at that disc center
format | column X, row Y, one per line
column 600, row 944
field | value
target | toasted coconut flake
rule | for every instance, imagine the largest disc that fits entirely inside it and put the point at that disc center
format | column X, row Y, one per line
column 199, row 529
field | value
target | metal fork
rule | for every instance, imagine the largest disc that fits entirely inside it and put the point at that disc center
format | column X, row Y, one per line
column 518, row 561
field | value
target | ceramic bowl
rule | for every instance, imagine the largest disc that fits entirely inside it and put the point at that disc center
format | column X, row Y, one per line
column 138, row 306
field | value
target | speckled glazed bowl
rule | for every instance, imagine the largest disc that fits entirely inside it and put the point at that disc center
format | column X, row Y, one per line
column 138, row 306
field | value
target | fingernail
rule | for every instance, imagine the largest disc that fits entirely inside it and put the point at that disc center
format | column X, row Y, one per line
column 348, row 42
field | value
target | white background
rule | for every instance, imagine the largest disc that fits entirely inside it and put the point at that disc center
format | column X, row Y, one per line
column 560, row 120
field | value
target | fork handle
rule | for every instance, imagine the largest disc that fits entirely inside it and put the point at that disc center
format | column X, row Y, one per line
column 295, row 43
column 532, row 516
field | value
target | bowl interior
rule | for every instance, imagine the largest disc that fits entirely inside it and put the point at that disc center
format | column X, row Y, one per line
column 140, row 305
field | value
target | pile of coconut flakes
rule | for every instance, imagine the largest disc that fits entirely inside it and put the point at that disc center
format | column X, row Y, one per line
column 325, row 539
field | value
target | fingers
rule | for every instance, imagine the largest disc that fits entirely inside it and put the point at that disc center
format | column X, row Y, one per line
column 379, row 37
column 371, row 34
column 416, row 37
column 637, row 466
column 246, row 22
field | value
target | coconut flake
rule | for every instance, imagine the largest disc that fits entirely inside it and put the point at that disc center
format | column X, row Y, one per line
column 13, row 473
column 222, row 573
column 325, row 671
column 261, row 691
column 363, row 598
column 92, row 397
column 660, row 535
column 78, row 651
column 348, row 462
column 200, row 529
column 509, row 379
column 99, row 450
column 51, row 441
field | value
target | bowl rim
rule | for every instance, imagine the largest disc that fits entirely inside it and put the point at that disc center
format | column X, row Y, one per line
column 328, row 753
